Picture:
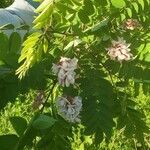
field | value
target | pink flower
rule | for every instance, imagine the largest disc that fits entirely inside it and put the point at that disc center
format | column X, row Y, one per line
column 120, row 50
column 131, row 24
column 69, row 108
column 65, row 71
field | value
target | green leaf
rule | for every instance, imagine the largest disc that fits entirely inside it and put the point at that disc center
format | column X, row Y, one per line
column 129, row 12
column 102, row 120
column 4, row 45
column 98, row 137
column 147, row 57
column 30, row 53
column 4, row 70
column 88, row 7
column 144, row 51
column 44, row 17
column 100, row 25
column 43, row 5
column 43, row 122
column 8, row 142
column 62, row 7
column 83, row 16
column 57, row 138
column 70, row 45
column 102, row 2
column 73, row 43
column 118, row 3
column 135, row 6
column 133, row 121
column 106, row 37
column 45, row 45
column 19, row 124
column 77, row 42
column 98, row 95
column 78, row 3
column 14, row 42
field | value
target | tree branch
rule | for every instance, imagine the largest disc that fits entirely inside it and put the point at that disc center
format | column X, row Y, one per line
column 49, row 94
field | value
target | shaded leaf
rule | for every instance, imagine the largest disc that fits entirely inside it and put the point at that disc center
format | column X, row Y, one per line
column 19, row 124
column 43, row 122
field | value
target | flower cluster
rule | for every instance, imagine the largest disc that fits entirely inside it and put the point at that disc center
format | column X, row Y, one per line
column 65, row 71
column 69, row 108
column 120, row 50
column 131, row 24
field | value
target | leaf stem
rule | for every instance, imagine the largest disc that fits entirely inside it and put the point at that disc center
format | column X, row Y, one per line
column 49, row 94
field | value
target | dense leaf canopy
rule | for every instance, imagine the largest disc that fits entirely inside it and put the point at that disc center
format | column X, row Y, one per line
column 111, row 41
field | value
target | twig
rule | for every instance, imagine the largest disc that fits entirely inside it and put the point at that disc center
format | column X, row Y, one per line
column 64, row 33
column 50, row 92
column 109, row 73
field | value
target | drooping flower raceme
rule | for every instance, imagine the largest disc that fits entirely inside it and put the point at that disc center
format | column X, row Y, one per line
column 120, row 50
column 65, row 71
column 131, row 24
column 69, row 108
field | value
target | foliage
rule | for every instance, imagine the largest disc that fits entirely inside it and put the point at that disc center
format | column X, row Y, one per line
column 5, row 3
column 109, row 89
column 23, row 107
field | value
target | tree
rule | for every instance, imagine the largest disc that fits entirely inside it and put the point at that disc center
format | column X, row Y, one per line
column 99, row 55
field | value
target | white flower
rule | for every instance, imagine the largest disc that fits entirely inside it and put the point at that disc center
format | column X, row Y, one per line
column 120, row 50
column 70, row 78
column 65, row 71
column 69, row 108
column 73, row 63
column 61, row 77
column 64, row 59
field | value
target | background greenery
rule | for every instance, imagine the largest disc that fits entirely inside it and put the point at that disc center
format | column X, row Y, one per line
column 23, row 107
column 5, row 3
